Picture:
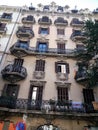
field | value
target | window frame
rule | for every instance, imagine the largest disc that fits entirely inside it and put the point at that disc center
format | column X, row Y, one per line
column 40, row 65
column 62, row 63
column 42, row 49
column 60, row 31
column 40, row 30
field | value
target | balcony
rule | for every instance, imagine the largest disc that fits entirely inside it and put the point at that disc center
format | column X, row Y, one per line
column 60, row 22
column 46, row 8
column 25, row 32
column 20, row 49
column 61, row 109
column 76, row 23
column 74, row 11
column 28, row 20
column 13, row 73
column 81, row 76
column 95, row 11
column 45, row 21
column 7, row 17
column 3, row 28
column 78, row 35
column 60, row 9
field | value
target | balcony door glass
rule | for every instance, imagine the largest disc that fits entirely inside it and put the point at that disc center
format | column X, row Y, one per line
column 42, row 47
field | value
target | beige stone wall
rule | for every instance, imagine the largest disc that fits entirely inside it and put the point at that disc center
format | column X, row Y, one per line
column 75, row 90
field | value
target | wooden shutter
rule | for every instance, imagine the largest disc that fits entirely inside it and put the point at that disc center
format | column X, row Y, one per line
column 4, row 90
column 56, row 67
column 62, row 93
column 61, row 47
column 88, row 98
column 30, row 93
column 48, row 30
column 39, row 93
column 67, row 68
column 88, row 95
column 40, row 65
column 39, row 31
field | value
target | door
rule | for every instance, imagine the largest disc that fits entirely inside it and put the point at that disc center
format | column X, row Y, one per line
column 9, row 95
column 88, row 98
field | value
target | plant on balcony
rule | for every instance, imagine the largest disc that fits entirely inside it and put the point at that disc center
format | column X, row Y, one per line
column 51, row 102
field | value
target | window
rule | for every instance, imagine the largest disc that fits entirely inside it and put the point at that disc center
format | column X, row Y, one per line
column 62, row 93
column 35, row 92
column 43, row 30
column 40, row 65
column 45, row 19
column 60, row 32
column 10, row 90
column 46, row 8
column 88, row 98
column 6, row 15
column 61, row 48
column 61, row 67
column 17, row 66
column 22, row 44
column 60, row 9
column 42, row 47
column 2, row 26
column 35, row 97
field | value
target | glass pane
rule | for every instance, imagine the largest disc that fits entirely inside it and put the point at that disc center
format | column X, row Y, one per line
column 34, row 93
column 44, row 31
column 42, row 47
column 63, row 68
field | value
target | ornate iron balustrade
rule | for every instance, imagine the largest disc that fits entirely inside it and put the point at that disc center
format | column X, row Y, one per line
column 60, row 8
column 25, row 32
column 28, row 20
column 78, row 36
column 6, row 17
column 75, row 22
column 74, row 11
column 45, row 20
column 60, row 21
column 45, row 105
column 81, row 76
column 46, row 8
column 20, row 51
column 14, row 75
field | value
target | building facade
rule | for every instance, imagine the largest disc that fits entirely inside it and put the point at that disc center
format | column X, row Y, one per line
column 41, row 80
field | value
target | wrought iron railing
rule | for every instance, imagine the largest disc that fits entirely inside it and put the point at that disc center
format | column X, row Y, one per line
column 9, row 68
column 45, row 105
column 50, row 51
column 81, row 75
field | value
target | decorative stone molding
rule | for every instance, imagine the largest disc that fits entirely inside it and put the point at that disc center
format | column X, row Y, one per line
column 39, row 74
column 37, row 83
column 62, row 84
column 62, row 76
